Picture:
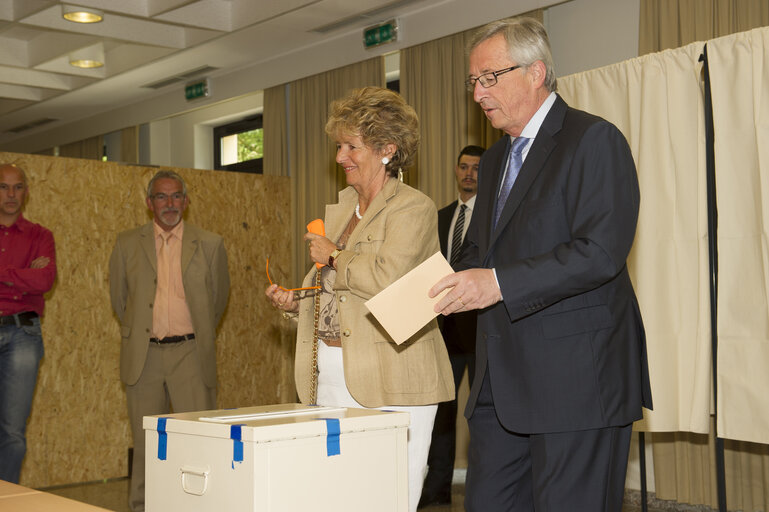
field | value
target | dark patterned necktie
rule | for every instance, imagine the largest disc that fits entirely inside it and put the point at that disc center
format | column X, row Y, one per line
column 514, row 163
column 456, row 239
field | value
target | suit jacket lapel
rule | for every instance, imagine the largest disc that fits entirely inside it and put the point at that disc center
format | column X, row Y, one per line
column 445, row 216
column 539, row 151
column 338, row 215
column 189, row 245
column 147, row 241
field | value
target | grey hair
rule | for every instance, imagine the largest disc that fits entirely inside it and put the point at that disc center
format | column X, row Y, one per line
column 166, row 174
column 527, row 42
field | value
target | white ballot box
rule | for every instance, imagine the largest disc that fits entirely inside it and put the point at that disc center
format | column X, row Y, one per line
column 277, row 458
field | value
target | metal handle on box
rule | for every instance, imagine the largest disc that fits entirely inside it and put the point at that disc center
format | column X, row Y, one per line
column 187, row 470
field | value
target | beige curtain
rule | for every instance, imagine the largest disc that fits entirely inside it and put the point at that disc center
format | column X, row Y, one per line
column 91, row 148
column 432, row 80
column 685, row 470
column 275, row 135
column 316, row 178
column 739, row 71
column 656, row 102
column 129, row 145
column 684, row 462
column 673, row 23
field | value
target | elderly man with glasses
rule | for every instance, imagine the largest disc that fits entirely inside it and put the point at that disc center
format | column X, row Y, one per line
column 561, row 368
column 169, row 285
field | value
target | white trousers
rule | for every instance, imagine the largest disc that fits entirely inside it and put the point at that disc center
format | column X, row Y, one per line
column 332, row 391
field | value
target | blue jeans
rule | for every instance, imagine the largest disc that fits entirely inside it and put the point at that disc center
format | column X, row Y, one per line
column 21, row 349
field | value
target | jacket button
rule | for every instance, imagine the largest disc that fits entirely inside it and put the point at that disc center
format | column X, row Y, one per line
column 343, row 298
column 368, row 238
column 346, row 333
column 150, row 305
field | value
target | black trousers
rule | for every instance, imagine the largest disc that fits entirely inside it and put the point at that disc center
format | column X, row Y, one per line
column 581, row 471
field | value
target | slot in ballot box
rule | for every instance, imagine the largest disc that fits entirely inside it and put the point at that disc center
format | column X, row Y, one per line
column 277, row 458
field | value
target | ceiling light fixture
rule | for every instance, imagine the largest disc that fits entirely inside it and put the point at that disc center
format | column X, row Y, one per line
column 88, row 58
column 81, row 14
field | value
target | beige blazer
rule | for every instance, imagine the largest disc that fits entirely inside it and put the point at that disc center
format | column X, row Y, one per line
column 398, row 232
column 132, row 276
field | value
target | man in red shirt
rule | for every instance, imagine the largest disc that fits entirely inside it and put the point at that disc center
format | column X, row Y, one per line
column 27, row 271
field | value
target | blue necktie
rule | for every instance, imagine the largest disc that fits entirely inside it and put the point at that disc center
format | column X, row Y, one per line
column 514, row 162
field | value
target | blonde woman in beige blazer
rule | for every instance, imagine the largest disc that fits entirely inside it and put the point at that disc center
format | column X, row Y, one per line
column 378, row 231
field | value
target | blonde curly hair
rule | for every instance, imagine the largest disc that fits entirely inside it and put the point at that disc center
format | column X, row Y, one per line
column 379, row 117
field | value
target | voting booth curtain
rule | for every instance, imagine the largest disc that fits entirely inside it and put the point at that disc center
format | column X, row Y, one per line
column 658, row 102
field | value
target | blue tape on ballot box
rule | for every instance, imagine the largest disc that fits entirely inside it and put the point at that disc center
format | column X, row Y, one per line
column 237, row 444
column 162, row 439
column 332, row 437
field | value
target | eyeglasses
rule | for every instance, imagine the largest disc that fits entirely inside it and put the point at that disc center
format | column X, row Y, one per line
column 176, row 196
column 297, row 291
column 487, row 79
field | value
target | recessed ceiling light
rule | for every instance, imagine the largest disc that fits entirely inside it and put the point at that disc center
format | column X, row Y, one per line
column 86, row 63
column 81, row 14
column 88, row 58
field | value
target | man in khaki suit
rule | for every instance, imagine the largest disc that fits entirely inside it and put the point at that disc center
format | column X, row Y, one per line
column 169, row 285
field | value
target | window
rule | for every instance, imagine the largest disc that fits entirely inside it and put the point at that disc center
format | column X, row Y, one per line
column 239, row 146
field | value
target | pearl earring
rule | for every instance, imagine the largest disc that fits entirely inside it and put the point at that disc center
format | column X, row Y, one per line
column 385, row 160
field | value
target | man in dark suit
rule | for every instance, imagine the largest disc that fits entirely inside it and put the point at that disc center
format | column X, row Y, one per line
column 458, row 332
column 561, row 371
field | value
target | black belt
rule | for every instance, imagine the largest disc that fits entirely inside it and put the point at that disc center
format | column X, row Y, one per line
column 24, row 318
column 172, row 339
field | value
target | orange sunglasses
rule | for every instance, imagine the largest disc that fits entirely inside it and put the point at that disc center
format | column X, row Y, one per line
column 267, row 269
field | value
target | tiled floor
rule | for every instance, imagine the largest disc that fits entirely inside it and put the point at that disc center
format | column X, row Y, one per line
column 113, row 495
column 110, row 494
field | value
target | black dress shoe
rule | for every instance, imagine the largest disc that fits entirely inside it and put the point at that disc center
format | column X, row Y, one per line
column 434, row 501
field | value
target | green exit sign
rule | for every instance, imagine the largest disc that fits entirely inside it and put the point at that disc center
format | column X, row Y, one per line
column 383, row 33
column 197, row 90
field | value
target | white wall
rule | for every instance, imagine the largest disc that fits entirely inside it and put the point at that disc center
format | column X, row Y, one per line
column 186, row 140
column 588, row 34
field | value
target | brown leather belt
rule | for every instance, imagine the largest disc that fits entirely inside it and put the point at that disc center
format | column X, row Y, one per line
column 336, row 342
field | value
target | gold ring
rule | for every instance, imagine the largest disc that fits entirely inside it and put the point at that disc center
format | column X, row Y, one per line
column 460, row 301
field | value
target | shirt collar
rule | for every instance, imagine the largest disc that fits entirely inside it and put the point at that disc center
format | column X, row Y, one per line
column 176, row 232
column 470, row 202
column 535, row 123
column 21, row 224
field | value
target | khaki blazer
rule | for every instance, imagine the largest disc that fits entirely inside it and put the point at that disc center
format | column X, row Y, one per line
column 397, row 233
column 133, row 278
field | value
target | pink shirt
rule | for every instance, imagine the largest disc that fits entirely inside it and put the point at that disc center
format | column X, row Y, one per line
column 170, row 314
column 20, row 244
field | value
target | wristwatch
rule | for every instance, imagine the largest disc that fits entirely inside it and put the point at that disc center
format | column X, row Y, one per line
column 332, row 257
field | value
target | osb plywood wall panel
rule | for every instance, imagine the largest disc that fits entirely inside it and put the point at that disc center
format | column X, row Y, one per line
column 78, row 430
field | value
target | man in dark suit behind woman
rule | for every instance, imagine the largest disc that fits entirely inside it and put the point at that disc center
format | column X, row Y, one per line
column 561, row 371
column 458, row 332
